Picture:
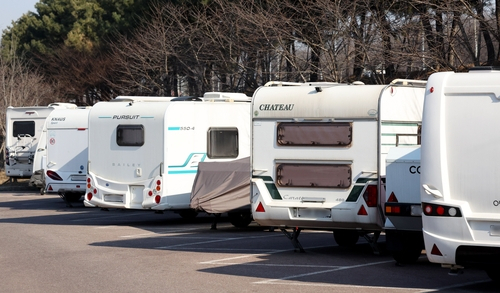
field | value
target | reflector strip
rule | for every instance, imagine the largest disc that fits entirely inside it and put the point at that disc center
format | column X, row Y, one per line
column 392, row 198
column 435, row 250
column 260, row 208
column 362, row 211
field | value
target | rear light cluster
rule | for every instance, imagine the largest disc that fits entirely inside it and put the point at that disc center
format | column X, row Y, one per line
column 53, row 175
column 91, row 190
column 440, row 210
column 156, row 191
column 370, row 195
column 7, row 157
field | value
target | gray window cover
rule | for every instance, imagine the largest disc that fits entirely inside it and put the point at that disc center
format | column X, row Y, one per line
column 220, row 187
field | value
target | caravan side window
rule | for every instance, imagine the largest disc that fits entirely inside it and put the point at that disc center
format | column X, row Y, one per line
column 23, row 128
column 314, row 134
column 313, row 175
column 130, row 135
column 222, row 142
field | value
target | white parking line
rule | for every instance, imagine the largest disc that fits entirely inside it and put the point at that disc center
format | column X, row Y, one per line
column 212, row 241
column 454, row 286
column 341, row 268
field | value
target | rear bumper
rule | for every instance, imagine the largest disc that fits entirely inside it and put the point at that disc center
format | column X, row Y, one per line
column 279, row 213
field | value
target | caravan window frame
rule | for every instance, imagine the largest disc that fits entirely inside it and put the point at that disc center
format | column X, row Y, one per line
column 333, row 176
column 314, row 134
column 222, row 143
column 131, row 140
column 23, row 128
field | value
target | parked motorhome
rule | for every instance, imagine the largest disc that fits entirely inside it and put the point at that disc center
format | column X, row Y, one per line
column 65, row 162
column 23, row 128
column 459, row 170
column 318, row 154
column 144, row 152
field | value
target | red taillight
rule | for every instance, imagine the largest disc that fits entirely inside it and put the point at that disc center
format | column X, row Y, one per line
column 392, row 209
column 260, row 208
column 157, row 199
column 370, row 195
column 95, row 191
column 431, row 90
column 89, row 196
column 362, row 211
column 435, row 250
column 88, row 180
column 50, row 188
column 53, row 175
column 392, row 198
column 440, row 210
column 150, row 193
column 158, row 185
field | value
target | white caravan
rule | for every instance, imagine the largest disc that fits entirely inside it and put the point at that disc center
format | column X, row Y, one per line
column 65, row 162
column 403, row 210
column 460, row 168
column 144, row 152
column 318, row 154
column 23, row 128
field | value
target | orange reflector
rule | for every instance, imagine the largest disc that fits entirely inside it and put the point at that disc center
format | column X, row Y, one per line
column 362, row 211
column 260, row 208
column 158, row 187
column 392, row 198
column 435, row 250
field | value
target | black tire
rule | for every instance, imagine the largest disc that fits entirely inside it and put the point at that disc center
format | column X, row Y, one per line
column 42, row 191
column 407, row 255
column 72, row 196
column 494, row 275
column 346, row 238
column 188, row 214
column 240, row 219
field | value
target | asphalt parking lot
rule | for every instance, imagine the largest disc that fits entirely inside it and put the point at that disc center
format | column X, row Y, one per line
column 46, row 246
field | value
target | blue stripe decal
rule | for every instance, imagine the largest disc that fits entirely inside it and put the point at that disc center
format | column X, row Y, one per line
column 174, row 128
column 185, row 168
column 147, row 117
column 106, row 117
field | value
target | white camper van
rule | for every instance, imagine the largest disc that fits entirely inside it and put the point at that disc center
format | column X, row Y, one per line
column 318, row 154
column 23, row 129
column 65, row 167
column 144, row 152
column 460, row 168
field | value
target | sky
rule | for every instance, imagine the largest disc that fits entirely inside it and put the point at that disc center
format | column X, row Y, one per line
column 11, row 10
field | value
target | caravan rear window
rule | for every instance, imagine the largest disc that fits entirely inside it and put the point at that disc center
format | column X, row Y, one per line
column 23, row 128
column 222, row 142
column 130, row 135
column 313, row 175
column 314, row 134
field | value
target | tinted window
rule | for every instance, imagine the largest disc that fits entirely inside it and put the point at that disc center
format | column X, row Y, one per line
column 313, row 175
column 222, row 143
column 130, row 135
column 23, row 128
column 314, row 133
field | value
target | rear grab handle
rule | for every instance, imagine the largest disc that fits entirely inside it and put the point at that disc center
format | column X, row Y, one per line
column 432, row 191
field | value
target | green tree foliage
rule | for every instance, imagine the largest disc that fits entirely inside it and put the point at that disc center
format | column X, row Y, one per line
column 82, row 25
